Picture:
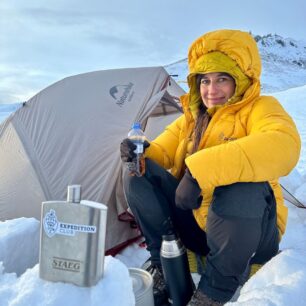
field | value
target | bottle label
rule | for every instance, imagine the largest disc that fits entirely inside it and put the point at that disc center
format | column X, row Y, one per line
column 52, row 226
column 139, row 148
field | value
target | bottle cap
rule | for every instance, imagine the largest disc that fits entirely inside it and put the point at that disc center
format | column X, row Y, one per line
column 136, row 125
column 74, row 194
column 169, row 237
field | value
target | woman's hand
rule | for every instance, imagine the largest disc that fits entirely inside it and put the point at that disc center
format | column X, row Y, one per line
column 127, row 148
column 188, row 193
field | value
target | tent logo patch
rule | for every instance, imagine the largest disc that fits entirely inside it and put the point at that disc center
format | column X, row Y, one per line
column 122, row 93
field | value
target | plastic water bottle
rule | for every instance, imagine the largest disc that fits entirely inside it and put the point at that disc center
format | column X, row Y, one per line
column 136, row 135
column 176, row 270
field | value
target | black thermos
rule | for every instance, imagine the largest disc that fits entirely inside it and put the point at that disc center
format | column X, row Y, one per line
column 176, row 270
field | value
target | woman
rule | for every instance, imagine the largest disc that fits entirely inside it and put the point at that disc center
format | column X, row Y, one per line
column 225, row 153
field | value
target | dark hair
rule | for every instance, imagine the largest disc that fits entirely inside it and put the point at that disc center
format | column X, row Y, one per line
column 202, row 120
column 198, row 81
column 201, row 124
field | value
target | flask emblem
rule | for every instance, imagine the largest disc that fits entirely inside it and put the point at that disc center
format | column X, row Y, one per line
column 50, row 223
column 52, row 226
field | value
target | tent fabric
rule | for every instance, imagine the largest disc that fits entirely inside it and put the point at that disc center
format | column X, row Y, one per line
column 70, row 133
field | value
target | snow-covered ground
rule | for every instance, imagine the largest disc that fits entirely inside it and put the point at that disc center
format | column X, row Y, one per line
column 20, row 284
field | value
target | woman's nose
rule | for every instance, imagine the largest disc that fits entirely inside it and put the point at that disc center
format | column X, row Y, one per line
column 213, row 87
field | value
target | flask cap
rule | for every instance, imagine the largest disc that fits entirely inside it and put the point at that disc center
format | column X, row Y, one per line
column 74, row 194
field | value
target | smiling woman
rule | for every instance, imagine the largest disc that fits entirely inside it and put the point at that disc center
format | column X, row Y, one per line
column 216, row 88
column 222, row 197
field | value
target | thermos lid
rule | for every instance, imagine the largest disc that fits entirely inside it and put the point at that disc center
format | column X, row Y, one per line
column 74, row 194
column 171, row 246
column 169, row 237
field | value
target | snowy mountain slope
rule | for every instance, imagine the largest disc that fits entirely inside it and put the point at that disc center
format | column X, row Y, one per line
column 283, row 67
column 283, row 64
column 283, row 61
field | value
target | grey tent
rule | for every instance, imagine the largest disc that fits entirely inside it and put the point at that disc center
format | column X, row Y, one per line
column 69, row 133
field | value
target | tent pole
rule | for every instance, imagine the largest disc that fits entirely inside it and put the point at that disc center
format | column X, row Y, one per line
column 296, row 203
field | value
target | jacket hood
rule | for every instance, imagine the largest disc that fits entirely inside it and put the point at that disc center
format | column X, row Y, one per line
column 209, row 53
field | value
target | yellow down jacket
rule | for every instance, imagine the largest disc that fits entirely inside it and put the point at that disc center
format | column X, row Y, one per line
column 252, row 140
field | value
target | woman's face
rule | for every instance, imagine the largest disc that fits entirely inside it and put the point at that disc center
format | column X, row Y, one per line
column 216, row 88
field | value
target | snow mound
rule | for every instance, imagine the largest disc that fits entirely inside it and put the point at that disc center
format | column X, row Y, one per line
column 19, row 244
column 20, row 284
column 115, row 289
column 280, row 282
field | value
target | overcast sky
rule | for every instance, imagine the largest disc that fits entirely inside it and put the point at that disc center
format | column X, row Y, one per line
column 43, row 41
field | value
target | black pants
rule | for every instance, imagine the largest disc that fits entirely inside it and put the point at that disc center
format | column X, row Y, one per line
column 241, row 226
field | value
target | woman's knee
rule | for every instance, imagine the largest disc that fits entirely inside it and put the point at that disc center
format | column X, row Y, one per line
column 246, row 200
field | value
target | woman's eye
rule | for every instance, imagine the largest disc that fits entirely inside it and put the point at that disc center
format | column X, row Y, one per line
column 204, row 81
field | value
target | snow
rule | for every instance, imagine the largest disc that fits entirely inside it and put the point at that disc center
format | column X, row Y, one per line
column 29, row 289
column 284, row 287
column 20, row 284
column 293, row 100
column 19, row 244
column 280, row 282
